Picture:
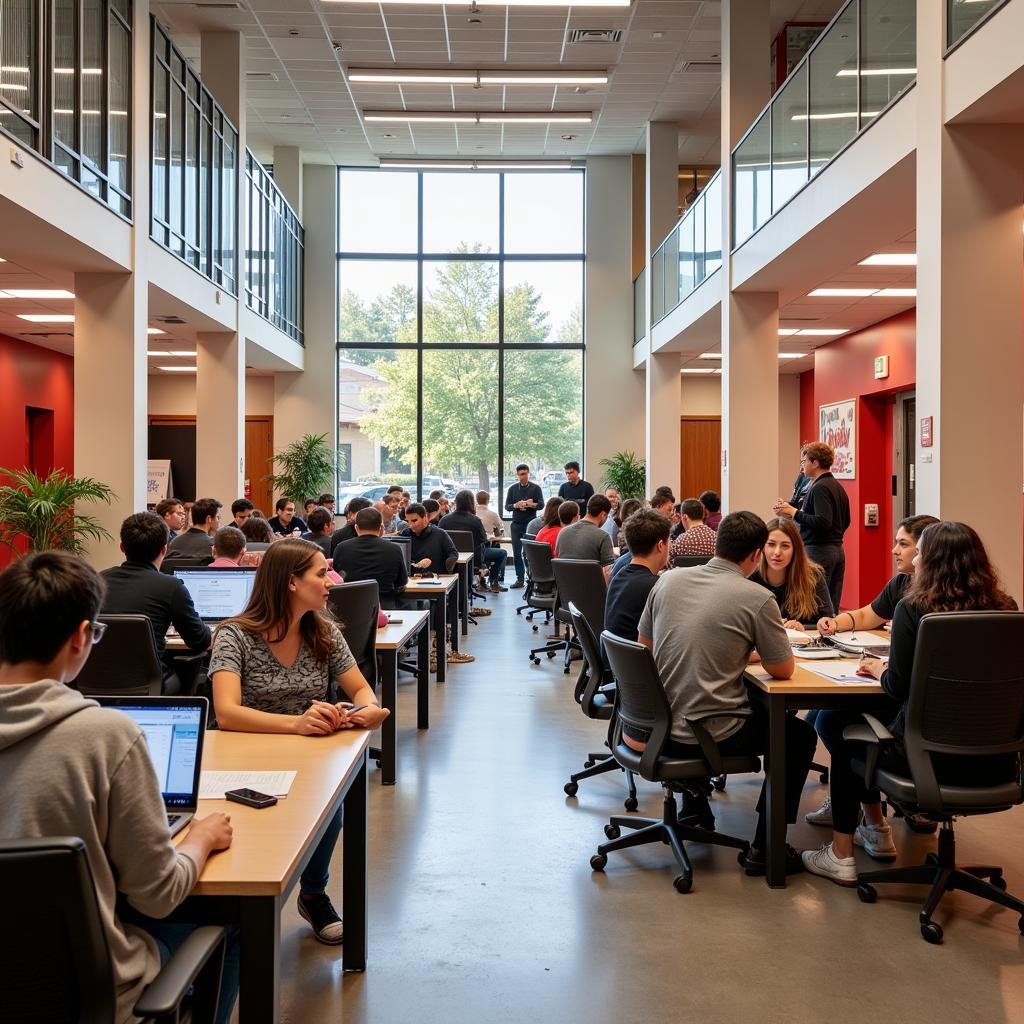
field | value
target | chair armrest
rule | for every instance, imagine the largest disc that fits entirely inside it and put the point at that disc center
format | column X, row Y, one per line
column 167, row 990
column 876, row 736
column 708, row 747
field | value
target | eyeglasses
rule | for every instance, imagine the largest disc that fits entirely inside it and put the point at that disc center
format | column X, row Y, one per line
column 98, row 629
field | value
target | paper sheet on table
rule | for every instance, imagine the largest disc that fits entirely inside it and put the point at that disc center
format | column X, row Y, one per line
column 799, row 636
column 213, row 785
column 861, row 638
column 842, row 672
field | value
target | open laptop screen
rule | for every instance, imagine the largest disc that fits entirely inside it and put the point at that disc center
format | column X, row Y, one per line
column 217, row 593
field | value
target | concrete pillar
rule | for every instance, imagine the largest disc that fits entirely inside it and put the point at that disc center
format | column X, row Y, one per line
column 661, row 395
column 610, row 380
column 970, row 187
column 288, row 175
column 220, row 416
column 750, row 321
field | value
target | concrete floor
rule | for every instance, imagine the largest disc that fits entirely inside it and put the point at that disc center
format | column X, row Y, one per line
column 483, row 907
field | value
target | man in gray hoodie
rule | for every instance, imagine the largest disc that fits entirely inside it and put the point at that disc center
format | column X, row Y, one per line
column 69, row 767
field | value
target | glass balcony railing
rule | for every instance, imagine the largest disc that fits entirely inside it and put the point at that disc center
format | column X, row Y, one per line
column 691, row 252
column 274, row 257
column 640, row 305
column 964, row 16
column 864, row 60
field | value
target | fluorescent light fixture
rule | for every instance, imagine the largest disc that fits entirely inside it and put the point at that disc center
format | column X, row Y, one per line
column 429, row 165
column 154, row 330
column 71, row 71
column 36, row 293
column 705, row 371
column 412, row 76
column 47, row 318
column 512, row 165
column 13, row 70
column 841, row 293
column 896, row 293
column 822, row 332
column 710, row 355
column 182, row 353
column 177, row 369
column 12, row 87
column 458, row 117
column 494, row 3
column 839, row 115
column 891, row 259
column 870, row 72
column 785, row 332
column 792, row 355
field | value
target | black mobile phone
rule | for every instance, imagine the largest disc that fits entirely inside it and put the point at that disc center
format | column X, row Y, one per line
column 251, row 797
column 353, row 710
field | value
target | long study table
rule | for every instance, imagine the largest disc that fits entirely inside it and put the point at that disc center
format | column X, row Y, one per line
column 443, row 591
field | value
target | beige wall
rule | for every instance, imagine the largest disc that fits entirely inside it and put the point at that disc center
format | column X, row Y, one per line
column 176, row 396
column 700, row 396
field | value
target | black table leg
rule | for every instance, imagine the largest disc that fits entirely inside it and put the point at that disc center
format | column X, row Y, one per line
column 353, row 878
column 388, row 730
column 423, row 677
column 453, row 616
column 441, row 632
column 776, row 793
column 464, row 568
column 259, row 994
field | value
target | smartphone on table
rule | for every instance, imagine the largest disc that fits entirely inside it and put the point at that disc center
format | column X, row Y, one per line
column 251, row 798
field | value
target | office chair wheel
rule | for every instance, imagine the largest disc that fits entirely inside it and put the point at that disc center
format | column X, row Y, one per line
column 718, row 782
column 536, row 661
column 571, row 788
column 378, row 764
column 931, row 932
column 867, row 893
column 612, row 831
column 535, row 627
column 598, row 862
column 631, row 803
column 999, row 882
column 519, row 611
column 550, row 654
column 588, row 763
column 823, row 777
column 682, row 883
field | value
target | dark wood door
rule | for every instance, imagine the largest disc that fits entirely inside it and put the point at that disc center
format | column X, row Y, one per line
column 174, row 438
column 259, row 446
column 700, row 455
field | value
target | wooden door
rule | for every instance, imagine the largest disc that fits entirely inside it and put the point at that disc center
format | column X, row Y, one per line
column 259, row 446
column 700, row 455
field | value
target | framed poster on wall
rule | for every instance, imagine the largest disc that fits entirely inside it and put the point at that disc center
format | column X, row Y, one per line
column 838, row 429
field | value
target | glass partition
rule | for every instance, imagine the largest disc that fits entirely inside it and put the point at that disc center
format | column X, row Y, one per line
column 833, row 90
column 789, row 139
column 274, row 261
column 19, row 71
column 639, row 305
column 963, row 16
column 888, row 53
column 752, row 179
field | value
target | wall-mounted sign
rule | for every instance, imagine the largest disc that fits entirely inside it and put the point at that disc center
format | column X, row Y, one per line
column 926, row 431
column 881, row 367
column 158, row 480
column 837, row 428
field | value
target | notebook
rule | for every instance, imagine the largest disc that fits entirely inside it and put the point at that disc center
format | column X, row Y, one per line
column 217, row 593
column 174, row 729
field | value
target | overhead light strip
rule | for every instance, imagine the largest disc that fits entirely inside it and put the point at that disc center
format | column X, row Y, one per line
column 491, row 3
column 412, row 76
column 483, row 117
column 477, row 165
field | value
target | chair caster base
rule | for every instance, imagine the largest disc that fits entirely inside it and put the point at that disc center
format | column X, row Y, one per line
column 867, row 893
column 683, row 883
column 612, row 831
column 631, row 803
column 598, row 862
column 931, row 932
column 571, row 788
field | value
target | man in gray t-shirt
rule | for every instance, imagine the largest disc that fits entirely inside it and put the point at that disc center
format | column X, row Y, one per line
column 703, row 625
column 586, row 539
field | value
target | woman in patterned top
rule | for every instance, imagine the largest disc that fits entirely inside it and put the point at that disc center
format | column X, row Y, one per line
column 271, row 669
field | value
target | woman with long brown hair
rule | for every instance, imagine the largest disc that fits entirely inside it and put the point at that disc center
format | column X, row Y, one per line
column 799, row 585
column 952, row 573
column 272, row 667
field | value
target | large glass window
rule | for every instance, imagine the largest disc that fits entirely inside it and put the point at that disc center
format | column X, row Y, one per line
column 19, row 85
column 460, row 328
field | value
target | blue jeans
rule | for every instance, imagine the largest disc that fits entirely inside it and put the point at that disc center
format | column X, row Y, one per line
column 518, row 533
column 314, row 878
column 495, row 559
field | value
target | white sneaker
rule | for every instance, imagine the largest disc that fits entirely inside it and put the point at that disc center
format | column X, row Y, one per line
column 822, row 816
column 876, row 840
column 841, row 870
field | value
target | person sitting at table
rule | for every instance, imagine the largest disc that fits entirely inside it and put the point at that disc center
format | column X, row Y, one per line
column 624, row 511
column 433, row 551
column 319, row 532
column 308, row 506
column 241, row 510
column 662, row 501
column 611, row 526
column 257, row 531
column 197, row 541
column 491, row 520
column 172, row 512
column 285, row 522
column 696, row 538
column 953, row 573
column 71, row 768
column 712, row 509
column 585, row 539
column 273, row 666
column 547, row 516
column 369, row 557
column 348, row 531
column 388, row 509
column 443, row 504
column 464, row 518
column 704, row 625
column 565, row 514
column 229, row 547
column 798, row 584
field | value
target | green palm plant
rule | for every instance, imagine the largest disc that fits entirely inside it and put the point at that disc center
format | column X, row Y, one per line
column 308, row 467
column 38, row 513
column 627, row 473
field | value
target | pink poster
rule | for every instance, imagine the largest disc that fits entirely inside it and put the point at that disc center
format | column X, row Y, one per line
column 838, row 431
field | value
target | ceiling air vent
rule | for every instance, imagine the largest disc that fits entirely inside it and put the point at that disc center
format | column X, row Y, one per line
column 218, row 5
column 261, row 76
column 48, row 334
column 701, row 67
column 595, row 35
column 169, row 319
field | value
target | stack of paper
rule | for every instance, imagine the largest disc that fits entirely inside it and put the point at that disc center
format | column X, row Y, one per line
column 213, row 785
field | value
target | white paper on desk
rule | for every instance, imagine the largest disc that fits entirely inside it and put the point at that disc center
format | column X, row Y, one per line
column 844, row 673
column 799, row 636
column 213, row 785
column 861, row 638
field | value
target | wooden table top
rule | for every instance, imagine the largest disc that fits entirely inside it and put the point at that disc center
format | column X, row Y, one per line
column 419, row 587
column 395, row 634
column 268, row 843
column 805, row 680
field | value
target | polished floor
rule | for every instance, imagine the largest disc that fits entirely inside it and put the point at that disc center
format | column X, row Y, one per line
column 483, row 907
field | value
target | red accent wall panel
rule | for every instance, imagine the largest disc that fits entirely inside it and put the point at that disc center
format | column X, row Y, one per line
column 845, row 369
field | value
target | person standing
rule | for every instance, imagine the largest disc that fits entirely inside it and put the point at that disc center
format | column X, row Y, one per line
column 575, row 488
column 522, row 500
column 824, row 517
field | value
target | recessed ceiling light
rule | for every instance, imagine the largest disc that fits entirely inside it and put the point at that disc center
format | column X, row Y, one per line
column 841, row 293
column 705, row 371
column 792, row 355
column 785, row 332
column 498, row 117
column 891, row 259
column 495, row 3
column 36, row 293
column 411, row 76
column 180, row 352
column 710, row 355
column 429, row 165
column 896, row 293
column 822, row 332
column 154, row 330
column 47, row 318
column 177, row 369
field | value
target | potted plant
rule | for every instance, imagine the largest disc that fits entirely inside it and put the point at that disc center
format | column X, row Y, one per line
column 627, row 473
column 308, row 468
column 38, row 513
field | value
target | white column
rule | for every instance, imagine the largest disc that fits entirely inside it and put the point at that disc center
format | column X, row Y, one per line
column 288, row 175
column 970, row 185
column 220, row 416
column 661, row 396
column 750, row 321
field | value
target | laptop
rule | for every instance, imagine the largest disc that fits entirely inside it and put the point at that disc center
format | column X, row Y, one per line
column 217, row 594
column 174, row 729
column 405, row 543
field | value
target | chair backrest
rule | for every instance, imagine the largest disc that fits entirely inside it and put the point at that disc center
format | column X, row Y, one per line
column 686, row 561
column 462, row 539
column 169, row 564
column 642, row 703
column 54, row 959
column 966, row 695
column 406, row 547
column 124, row 663
column 596, row 674
column 581, row 581
column 538, row 561
column 355, row 606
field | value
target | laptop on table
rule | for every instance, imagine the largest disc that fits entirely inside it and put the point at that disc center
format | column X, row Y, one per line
column 174, row 728
column 217, row 594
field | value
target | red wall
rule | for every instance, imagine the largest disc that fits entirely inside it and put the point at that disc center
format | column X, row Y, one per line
column 845, row 369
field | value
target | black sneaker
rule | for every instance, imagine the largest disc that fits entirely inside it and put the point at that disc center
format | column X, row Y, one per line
column 755, row 861
column 318, row 910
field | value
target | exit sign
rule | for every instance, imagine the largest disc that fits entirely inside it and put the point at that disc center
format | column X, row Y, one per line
column 881, row 367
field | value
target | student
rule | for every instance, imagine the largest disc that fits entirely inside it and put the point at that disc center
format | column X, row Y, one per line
column 71, row 768
column 622, row 513
column 241, row 510
column 696, row 538
column 309, row 505
column 662, row 501
column 712, row 509
column 272, row 667
column 585, row 538
column 491, row 520
column 348, row 531
column 703, row 624
column 565, row 514
column 797, row 583
column 388, row 509
column 198, row 541
column 229, row 547
column 326, row 501
column 172, row 512
column 285, row 523
column 443, row 505
column 257, row 532
column 369, row 557
column 611, row 525
column 319, row 532
column 464, row 518
column 138, row 587
column 548, row 516
column 522, row 500
column 953, row 573
column 433, row 508
column 576, row 489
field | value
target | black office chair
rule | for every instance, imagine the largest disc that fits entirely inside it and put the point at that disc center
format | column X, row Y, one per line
column 597, row 701
column 581, row 582
column 542, row 595
column 966, row 702
column 464, row 542
column 643, row 705
column 686, row 561
column 56, row 966
column 124, row 663
column 169, row 564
